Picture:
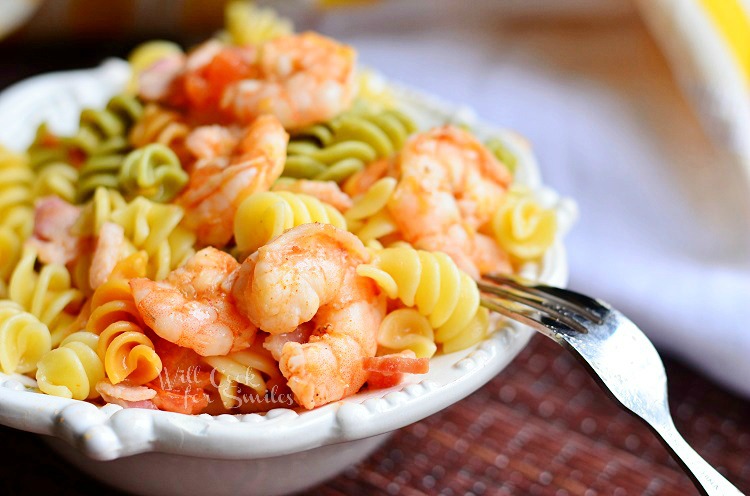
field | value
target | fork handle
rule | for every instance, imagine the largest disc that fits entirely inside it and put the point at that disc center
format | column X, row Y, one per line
column 707, row 479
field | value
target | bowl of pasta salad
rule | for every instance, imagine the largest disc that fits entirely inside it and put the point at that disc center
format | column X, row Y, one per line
column 236, row 269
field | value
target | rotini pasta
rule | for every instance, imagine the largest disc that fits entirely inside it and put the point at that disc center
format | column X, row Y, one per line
column 153, row 172
column 430, row 282
column 23, row 339
column 73, row 369
column 46, row 293
column 407, row 329
column 500, row 150
column 159, row 125
column 127, row 353
column 374, row 92
column 154, row 228
column 263, row 216
column 16, row 209
column 368, row 218
column 336, row 150
column 55, row 165
column 252, row 368
column 145, row 55
column 522, row 227
column 105, row 131
column 102, row 137
column 98, row 211
column 247, row 24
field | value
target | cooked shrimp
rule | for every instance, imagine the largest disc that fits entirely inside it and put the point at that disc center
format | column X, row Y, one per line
column 308, row 274
column 303, row 79
column 111, row 247
column 449, row 186
column 208, row 142
column 361, row 181
column 193, row 306
column 325, row 191
column 218, row 187
column 53, row 237
column 275, row 342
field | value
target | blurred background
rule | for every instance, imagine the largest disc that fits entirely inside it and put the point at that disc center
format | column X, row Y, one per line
column 639, row 110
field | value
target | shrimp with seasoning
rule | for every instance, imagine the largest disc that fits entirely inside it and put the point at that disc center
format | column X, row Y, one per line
column 301, row 79
column 450, row 185
column 194, row 308
column 308, row 274
column 218, row 186
column 304, row 79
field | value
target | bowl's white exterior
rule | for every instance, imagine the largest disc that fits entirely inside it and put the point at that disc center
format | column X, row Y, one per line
column 154, row 452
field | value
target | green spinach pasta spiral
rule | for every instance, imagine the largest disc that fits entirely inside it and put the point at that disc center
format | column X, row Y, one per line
column 54, row 163
column 103, row 138
column 153, row 172
column 337, row 149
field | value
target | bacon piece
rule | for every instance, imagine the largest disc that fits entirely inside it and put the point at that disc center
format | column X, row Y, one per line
column 52, row 237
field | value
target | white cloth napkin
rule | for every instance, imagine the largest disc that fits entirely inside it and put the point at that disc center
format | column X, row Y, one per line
column 664, row 230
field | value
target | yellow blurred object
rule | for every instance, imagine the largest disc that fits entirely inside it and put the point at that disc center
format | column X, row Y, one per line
column 247, row 24
column 734, row 24
column 145, row 55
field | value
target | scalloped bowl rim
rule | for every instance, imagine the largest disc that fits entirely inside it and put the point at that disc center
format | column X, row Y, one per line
column 111, row 432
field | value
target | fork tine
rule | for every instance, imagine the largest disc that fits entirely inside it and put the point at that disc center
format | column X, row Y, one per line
column 531, row 317
column 545, row 308
column 564, row 298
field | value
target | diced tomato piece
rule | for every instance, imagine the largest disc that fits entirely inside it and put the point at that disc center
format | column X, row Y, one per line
column 398, row 363
column 190, row 401
column 205, row 86
column 376, row 380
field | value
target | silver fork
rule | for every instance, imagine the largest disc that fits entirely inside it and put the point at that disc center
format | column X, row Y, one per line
column 615, row 352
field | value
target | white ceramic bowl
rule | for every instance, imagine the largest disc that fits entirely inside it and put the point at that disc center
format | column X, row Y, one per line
column 155, row 452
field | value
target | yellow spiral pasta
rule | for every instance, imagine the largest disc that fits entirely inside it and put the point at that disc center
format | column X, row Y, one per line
column 99, row 210
column 368, row 218
column 247, row 24
column 145, row 55
column 522, row 227
column 246, row 367
column 127, row 353
column 373, row 91
column 407, row 329
column 45, row 293
column 73, row 369
column 16, row 209
column 263, row 216
column 430, row 282
column 154, row 228
column 23, row 339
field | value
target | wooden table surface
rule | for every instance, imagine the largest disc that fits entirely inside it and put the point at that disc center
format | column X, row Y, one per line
column 542, row 427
